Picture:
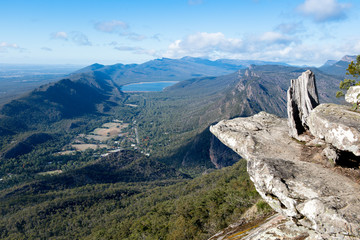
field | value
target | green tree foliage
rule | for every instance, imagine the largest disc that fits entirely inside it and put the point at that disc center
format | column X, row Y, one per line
column 166, row 209
column 354, row 71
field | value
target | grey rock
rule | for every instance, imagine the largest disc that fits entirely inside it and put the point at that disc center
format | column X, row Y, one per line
column 352, row 94
column 336, row 125
column 278, row 227
column 274, row 228
column 302, row 97
column 284, row 174
column 331, row 154
column 316, row 142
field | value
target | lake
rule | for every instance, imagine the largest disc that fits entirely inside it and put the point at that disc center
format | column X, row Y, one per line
column 147, row 86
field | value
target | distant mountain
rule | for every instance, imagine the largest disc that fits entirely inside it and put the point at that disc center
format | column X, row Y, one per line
column 348, row 58
column 337, row 67
column 248, row 63
column 329, row 63
column 166, row 69
column 248, row 91
column 77, row 95
column 95, row 89
column 92, row 67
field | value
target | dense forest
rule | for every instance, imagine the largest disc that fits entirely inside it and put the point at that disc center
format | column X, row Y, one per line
column 159, row 209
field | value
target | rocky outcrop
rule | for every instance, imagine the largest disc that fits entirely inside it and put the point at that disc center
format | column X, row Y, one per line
column 336, row 125
column 286, row 174
column 302, row 97
column 353, row 95
column 296, row 177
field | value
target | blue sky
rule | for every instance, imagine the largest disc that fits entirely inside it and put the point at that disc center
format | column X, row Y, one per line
column 83, row 32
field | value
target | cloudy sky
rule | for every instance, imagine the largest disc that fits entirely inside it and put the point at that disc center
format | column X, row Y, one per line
column 83, row 32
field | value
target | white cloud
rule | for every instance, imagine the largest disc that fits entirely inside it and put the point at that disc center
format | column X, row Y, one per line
column 118, row 27
column 59, row 35
column 269, row 46
column 290, row 28
column 275, row 37
column 5, row 45
column 46, row 49
column 203, row 44
column 135, row 50
column 323, row 10
column 127, row 48
column 111, row 26
column 157, row 37
column 217, row 45
column 76, row 37
column 134, row 36
column 80, row 39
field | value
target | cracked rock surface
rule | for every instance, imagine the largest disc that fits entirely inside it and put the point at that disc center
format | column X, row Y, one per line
column 285, row 176
column 337, row 125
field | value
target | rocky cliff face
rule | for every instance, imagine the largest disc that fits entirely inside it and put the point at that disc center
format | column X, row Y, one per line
column 296, row 178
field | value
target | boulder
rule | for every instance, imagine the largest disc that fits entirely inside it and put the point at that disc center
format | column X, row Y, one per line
column 352, row 94
column 336, row 125
column 285, row 174
column 302, row 97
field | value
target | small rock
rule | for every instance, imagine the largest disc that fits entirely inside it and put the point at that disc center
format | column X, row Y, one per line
column 316, row 142
column 331, row 154
column 352, row 94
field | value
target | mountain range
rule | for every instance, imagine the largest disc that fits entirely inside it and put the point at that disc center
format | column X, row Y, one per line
column 166, row 69
column 337, row 67
column 246, row 90
column 132, row 190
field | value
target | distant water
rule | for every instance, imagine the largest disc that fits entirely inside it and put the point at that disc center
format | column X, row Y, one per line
column 147, row 86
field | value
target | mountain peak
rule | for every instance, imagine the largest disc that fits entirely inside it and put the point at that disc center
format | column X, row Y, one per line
column 97, row 65
column 349, row 58
column 330, row 62
column 92, row 67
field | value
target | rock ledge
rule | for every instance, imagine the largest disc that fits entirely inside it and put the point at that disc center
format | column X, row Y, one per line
column 284, row 174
